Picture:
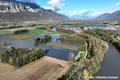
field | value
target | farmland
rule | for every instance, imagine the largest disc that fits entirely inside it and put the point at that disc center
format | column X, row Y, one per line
column 37, row 70
column 20, row 37
column 2, row 31
column 36, row 31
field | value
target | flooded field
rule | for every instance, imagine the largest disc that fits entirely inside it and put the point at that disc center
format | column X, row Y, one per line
column 51, row 51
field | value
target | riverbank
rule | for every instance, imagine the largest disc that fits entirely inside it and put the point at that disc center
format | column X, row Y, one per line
column 90, row 65
column 110, row 65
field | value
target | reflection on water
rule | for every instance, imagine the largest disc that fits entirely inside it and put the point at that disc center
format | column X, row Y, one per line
column 54, row 37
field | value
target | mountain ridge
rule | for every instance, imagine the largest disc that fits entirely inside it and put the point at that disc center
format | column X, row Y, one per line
column 11, row 10
column 109, row 16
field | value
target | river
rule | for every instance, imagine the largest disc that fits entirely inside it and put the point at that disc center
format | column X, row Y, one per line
column 110, row 65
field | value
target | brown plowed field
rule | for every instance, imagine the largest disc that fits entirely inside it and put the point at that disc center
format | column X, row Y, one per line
column 46, row 68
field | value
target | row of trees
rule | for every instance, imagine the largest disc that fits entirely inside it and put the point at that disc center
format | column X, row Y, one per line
column 45, row 39
column 107, row 35
column 21, row 31
column 11, row 27
column 19, row 56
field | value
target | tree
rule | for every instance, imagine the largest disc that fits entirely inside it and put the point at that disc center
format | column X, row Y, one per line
column 11, row 60
column 71, row 56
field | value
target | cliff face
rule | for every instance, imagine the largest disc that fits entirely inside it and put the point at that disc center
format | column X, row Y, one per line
column 15, row 11
column 13, row 7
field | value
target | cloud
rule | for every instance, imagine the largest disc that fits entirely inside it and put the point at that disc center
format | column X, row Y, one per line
column 55, row 5
column 116, row 5
column 83, row 13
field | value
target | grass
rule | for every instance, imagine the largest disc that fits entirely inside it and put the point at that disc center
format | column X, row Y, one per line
column 43, row 23
column 82, row 52
column 63, row 46
column 36, row 31
column 53, row 22
column 2, row 31
column 19, row 37
column 68, row 73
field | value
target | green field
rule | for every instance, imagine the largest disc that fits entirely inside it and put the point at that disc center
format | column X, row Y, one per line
column 36, row 31
column 82, row 52
column 54, row 22
column 43, row 23
column 68, row 73
column 2, row 31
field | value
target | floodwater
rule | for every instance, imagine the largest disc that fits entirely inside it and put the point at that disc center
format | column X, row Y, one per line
column 51, row 51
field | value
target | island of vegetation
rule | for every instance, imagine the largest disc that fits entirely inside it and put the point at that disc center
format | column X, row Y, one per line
column 45, row 39
column 20, row 57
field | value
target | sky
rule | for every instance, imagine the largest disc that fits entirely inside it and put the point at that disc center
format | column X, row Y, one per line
column 80, row 8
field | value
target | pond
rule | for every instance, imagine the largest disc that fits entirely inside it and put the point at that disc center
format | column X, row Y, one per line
column 97, row 26
column 51, row 51
column 118, row 29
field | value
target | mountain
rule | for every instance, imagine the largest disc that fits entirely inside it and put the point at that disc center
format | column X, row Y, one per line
column 11, row 10
column 32, row 5
column 109, row 16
